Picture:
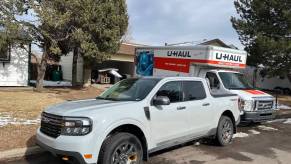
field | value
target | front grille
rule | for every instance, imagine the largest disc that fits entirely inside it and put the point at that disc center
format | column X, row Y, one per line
column 51, row 125
column 264, row 105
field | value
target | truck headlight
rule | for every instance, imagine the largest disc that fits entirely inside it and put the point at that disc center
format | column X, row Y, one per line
column 76, row 126
column 246, row 105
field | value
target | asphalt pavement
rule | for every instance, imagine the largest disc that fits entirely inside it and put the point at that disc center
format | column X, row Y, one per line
column 268, row 143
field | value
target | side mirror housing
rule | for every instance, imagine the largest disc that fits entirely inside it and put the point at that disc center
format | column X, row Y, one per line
column 161, row 100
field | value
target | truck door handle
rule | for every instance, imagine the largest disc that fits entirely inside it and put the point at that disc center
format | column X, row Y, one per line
column 206, row 104
column 181, row 108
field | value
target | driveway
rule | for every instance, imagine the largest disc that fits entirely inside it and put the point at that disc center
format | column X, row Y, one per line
column 268, row 143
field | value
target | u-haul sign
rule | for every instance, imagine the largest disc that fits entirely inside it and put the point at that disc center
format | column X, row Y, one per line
column 179, row 59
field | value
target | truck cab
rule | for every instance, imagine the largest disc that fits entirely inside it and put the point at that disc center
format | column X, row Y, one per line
column 220, row 66
column 255, row 105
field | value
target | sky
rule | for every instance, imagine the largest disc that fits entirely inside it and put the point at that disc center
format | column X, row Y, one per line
column 156, row 22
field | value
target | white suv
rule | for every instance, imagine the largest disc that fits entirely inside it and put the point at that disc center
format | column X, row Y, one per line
column 136, row 117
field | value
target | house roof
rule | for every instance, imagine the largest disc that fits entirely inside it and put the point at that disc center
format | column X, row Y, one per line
column 128, row 48
column 125, row 49
column 216, row 42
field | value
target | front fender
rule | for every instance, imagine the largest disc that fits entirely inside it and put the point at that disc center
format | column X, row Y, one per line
column 127, row 121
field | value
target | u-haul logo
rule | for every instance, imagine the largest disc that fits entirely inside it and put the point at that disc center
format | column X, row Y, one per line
column 228, row 57
column 182, row 54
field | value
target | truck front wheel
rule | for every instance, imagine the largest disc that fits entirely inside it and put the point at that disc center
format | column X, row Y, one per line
column 225, row 131
column 121, row 148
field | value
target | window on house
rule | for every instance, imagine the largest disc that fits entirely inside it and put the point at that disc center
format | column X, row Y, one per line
column 5, row 52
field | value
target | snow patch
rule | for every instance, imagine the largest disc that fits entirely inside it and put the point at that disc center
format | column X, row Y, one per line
column 267, row 128
column 254, row 132
column 288, row 121
column 284, row 107
column 197, row 143
column 277, row 120
column 6, row 119
column 54, row 83
column 240, row 135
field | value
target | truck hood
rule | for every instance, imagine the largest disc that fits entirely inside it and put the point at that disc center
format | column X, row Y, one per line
column 82, row 107
column 251, row 94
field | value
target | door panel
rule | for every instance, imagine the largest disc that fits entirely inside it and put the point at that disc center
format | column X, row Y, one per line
column 199, row 107
column 168, row 121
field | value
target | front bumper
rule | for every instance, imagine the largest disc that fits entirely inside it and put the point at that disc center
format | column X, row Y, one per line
column 74, row 147
column 72, row 155
column 258, row 116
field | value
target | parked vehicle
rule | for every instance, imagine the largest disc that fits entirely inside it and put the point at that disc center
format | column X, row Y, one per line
column 218, row 65
column 136, row 117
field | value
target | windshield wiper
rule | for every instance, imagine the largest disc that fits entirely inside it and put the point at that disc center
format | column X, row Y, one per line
column 107, row 98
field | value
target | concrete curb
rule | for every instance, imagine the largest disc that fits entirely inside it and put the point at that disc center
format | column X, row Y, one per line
column 20, row 152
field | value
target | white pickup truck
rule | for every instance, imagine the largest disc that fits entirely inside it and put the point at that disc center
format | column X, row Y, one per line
column 136, row 117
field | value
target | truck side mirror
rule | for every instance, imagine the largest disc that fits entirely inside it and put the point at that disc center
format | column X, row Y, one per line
column 161, row 100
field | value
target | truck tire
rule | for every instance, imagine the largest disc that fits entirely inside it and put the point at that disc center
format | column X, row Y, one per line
column 121, row 148
column 225, row 131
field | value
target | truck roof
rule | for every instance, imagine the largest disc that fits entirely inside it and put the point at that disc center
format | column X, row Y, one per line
column 225, row 70
column 196, row 47
column 172, row 78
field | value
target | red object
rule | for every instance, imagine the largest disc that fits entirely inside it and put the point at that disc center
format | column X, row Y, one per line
column 255, row 92
column 183, row 65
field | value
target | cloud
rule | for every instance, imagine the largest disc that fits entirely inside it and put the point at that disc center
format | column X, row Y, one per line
column 155, row 22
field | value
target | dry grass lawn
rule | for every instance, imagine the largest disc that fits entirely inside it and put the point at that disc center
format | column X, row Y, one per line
column 27, row 105
column 285, row 99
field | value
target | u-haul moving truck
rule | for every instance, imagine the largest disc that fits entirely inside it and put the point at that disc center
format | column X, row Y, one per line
column 218, row 65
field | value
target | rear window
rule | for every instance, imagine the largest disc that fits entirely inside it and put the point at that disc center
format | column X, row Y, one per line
column 193, row 90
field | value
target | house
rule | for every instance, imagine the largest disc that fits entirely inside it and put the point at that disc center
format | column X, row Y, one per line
column 219, row 43
column 122, row 61
column 258, row 77
column 14, row 66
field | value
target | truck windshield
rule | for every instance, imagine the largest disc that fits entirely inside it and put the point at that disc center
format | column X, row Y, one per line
column 133, row 89
column 234, row 81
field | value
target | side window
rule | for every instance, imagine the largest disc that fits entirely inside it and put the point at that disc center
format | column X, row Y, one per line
column 213, row 80
column 193, row 90
column 172, row 90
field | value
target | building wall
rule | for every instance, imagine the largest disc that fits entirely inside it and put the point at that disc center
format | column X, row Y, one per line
column 15, row 72
column 67, row 64
column 123, row 58
column 266, row 83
